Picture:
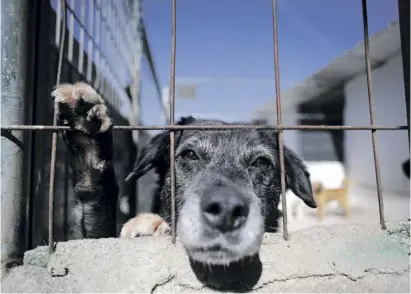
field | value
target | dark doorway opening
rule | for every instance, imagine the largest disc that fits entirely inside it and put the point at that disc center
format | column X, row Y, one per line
column 320, row 145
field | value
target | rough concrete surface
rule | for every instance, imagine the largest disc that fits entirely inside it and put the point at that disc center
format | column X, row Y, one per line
column 343, row 258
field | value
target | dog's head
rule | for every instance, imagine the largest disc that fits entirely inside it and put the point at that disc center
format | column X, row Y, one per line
column 227, row 187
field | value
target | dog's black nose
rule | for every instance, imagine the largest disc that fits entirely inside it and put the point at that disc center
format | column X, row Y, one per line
column 225, row 210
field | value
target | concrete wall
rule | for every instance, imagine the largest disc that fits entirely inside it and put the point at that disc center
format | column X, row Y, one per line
column 317, row 146
column 325, row 259
column 392, row 146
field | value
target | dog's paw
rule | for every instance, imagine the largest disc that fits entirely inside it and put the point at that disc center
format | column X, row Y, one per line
column 145, row 224
column 81, row 107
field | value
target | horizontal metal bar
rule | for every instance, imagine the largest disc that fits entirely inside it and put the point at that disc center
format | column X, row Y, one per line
column 213, row 127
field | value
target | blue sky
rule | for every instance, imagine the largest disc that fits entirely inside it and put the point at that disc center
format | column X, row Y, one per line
column 233, row 39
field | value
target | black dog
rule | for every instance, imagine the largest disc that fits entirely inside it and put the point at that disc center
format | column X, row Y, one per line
column 227, row 185
column 90, row 145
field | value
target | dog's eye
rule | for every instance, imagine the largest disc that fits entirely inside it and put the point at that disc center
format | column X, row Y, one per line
column 189, row 155
column 261, row 162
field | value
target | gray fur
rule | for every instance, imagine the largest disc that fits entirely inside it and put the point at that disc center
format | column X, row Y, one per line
column 227, row 181
column 225, row 159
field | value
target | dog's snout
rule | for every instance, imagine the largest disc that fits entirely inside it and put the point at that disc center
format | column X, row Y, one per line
column 225, row 210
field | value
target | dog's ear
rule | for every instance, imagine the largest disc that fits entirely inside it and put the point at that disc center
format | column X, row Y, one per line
column 298, row 178
column 149, row 155
column 155, row 153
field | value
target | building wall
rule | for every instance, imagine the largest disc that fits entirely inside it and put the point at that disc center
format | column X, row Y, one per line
column 388, row 90
column 291, row 137
column 317, row 146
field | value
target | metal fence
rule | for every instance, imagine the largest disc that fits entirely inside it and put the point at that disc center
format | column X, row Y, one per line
column 101, row 46
column 280, row 128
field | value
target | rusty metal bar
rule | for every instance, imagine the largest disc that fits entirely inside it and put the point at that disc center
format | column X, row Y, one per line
column 279, row 119
column 172, row 104
column 54, row 138
column 213, row 127
column 372, row 121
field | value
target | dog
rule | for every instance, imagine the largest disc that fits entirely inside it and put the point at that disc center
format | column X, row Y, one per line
column 325, row 195
column 227, row 181
column 90, row 147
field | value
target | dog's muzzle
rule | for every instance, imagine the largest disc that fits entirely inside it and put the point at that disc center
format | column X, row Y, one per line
column 220, row 221
column 224, row 209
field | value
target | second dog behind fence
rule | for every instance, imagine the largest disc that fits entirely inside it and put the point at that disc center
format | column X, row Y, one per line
column 90, row 145
column 227, row 181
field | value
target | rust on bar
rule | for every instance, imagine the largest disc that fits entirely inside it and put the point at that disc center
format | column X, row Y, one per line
column 173, row 188
column 279, row 119
column 372, row 121
column 214, row 127
column 172, row 103
column 54, row 137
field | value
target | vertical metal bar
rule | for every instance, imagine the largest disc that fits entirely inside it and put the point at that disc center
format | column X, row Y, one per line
column 117, row 34
column 81, row 41
column 101, row 46
column 279, row 119
column 14, row 19
column 371, row 107
column 135, row 55
column 28, row 180
column 66, row 195
column 172, row 100
column 54, row 138
column 404, row 16
column 58, row 23
column 97, row 42
column 71, row 30
column 104, row 81
column 90, row 40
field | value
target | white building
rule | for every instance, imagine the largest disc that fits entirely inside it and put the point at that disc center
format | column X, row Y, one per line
column 338, row 94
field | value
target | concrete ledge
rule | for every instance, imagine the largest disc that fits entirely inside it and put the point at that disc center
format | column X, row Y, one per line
column 347, row 258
